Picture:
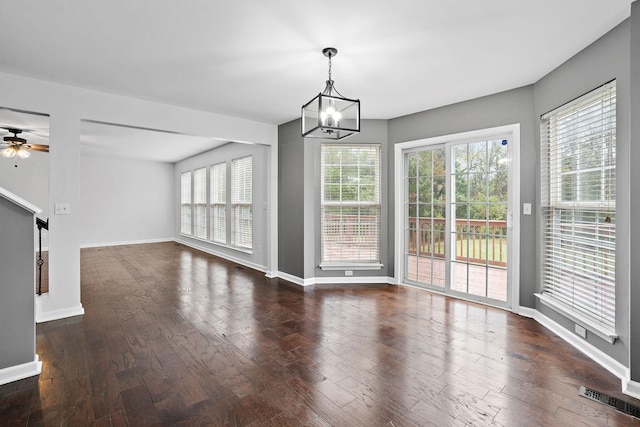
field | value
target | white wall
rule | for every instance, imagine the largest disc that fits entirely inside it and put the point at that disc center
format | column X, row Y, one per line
column 125, row 201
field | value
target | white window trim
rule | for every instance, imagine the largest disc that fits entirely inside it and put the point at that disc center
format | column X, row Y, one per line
column 336, row 266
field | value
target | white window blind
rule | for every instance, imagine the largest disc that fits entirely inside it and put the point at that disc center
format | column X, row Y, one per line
column 350, row 204
column 185, row 203
column 242, row 202
column 200, row 203
column 219, row 203
column 578, row 193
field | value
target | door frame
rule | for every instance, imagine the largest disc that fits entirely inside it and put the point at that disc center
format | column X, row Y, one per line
column 513, row 254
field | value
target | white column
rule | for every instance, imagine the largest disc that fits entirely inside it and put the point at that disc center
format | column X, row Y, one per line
column 63, row 299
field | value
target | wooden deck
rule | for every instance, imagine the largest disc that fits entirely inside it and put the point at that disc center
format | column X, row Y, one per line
column 488, row 282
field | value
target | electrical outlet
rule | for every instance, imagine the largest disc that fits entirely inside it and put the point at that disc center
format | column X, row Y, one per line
column 581, row 332
column 62, row 208
column 526, row 208
column 348, row 272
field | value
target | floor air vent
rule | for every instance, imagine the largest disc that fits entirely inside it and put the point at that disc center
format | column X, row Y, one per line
column 605, row 399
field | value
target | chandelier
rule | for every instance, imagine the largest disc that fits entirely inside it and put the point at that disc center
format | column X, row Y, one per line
column 330, row 115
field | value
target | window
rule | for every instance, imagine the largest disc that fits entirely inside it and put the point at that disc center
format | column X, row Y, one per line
column 350, row 204
column 579, row 201
column 242, row 202
column 185, row 203
column 219, row 203
column 200, row 203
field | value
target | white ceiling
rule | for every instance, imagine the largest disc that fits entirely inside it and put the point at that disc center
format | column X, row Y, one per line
column 102, row 139
column 262, row 60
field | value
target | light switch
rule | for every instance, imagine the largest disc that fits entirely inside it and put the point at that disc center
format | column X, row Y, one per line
column 526, row 208
column 62, row 208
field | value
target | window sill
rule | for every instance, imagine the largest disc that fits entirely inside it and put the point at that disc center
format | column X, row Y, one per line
column 220, row 245
column 364, row 266
column 593, row 327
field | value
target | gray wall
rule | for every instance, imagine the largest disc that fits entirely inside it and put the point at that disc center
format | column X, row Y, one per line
column 634, row 195
column 258, row 258
column 299, row 200
column 17, row 278
column 291, row 199
column 604, row 60
column 371, row 132
column 505, row 108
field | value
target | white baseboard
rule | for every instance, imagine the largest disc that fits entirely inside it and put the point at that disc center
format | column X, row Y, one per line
column 127, row 242
column 334, row 280
column 527, row 312
column 290, row 278
column 349, row 280
column 19, row 372
column 598, row 356
column 631, row 388
column 44, row 315
column 223, row 255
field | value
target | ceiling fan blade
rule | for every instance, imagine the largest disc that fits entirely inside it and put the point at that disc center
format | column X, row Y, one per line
column 39, row 147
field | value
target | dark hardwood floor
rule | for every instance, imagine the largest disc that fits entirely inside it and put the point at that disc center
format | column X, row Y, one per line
column 172, row 336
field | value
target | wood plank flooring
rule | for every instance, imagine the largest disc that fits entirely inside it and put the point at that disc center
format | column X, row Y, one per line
column 172, row 336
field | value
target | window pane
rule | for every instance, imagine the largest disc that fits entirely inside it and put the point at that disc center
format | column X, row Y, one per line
column 200, row 203
column 242, row 226
column 350, row 217
column 185, row 201
column 219, row 203
column 219, row 224
column 242, row 203
column 219, row 183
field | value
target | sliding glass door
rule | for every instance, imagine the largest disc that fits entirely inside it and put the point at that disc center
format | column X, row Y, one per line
column 457, row 210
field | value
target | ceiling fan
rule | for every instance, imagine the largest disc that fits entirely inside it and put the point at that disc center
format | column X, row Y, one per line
column 19, row 146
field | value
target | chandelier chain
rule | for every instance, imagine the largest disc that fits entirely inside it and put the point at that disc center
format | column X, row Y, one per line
column 329, row 67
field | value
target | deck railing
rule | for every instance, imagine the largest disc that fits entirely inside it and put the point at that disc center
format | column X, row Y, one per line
column 477, row 241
